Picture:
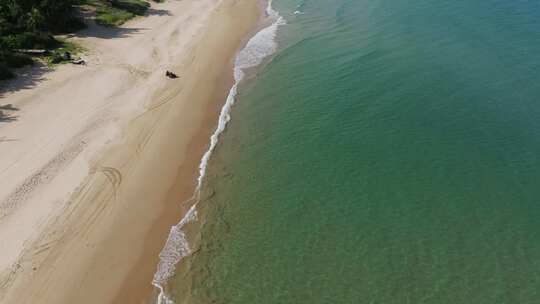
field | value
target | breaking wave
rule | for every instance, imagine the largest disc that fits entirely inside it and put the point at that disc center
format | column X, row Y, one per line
column 259, row 47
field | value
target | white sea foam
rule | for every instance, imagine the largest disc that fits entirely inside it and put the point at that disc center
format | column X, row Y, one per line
column 176, row 248
column 300, row 8
column 260, row 46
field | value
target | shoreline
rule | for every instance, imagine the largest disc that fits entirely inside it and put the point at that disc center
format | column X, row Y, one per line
column 187, row 181
column 103, row 245
column 258, row 48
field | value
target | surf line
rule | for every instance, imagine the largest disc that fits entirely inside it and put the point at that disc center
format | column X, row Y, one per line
column 259, row 47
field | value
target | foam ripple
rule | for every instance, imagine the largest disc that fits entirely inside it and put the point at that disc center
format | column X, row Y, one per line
column 259, row 47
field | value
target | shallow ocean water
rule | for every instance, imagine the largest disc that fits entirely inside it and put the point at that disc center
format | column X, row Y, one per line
column 387, row 153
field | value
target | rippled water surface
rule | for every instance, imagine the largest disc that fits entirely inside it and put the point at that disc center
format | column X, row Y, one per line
column 388, row 153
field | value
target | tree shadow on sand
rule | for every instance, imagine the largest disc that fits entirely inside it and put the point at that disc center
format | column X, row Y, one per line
column 27, row 78
column 99, row 31
column 30, row 76
column 5, row 115
column 158, row 12
column 103, row 32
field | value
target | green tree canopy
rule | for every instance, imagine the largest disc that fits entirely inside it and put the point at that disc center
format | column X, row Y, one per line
column 35, row 15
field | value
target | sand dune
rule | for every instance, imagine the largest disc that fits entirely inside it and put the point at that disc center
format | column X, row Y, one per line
column 94, row 160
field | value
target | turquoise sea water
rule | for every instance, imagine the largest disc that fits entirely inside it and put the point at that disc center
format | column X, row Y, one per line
column 388, row 153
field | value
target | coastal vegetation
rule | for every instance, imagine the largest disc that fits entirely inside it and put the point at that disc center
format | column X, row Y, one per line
column 116, row 12
column 27, row 27
column 29, row 24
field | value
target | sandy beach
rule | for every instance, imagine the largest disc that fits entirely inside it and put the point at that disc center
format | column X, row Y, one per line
column 95, row 160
